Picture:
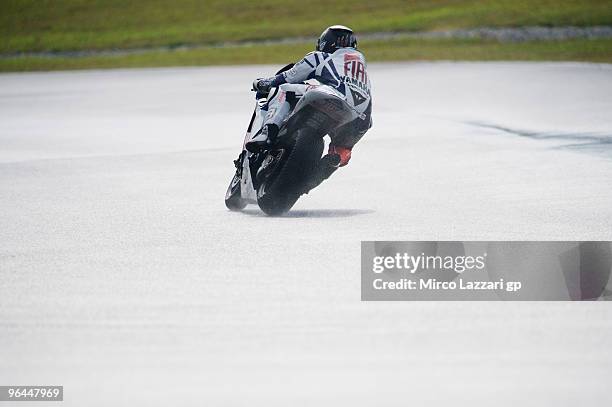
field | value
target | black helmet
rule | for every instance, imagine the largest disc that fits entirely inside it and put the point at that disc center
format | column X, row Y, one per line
column 334, row 37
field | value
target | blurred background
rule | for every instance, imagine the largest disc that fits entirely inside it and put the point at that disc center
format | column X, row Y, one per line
column 71, row 34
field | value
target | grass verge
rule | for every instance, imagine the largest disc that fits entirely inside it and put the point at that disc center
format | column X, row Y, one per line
column 394, row 50
column 56, row 25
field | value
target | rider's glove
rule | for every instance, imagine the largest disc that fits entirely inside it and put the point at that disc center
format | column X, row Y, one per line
column 337, row 156
column 262, row 85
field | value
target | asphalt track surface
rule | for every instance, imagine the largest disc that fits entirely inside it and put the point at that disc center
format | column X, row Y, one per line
column 126, row 280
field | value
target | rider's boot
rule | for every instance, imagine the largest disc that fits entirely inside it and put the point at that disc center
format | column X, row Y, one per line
column 336, row 157
column 265, row 138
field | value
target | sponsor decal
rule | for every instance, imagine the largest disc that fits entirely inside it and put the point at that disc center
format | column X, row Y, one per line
column 355, row 76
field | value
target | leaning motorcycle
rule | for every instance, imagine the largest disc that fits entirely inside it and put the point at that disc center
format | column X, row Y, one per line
column 276, row 177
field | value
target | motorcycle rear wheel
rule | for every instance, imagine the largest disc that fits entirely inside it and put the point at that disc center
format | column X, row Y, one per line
column 280, row 191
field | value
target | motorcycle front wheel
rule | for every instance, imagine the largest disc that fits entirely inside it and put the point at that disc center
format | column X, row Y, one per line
column 233, row 200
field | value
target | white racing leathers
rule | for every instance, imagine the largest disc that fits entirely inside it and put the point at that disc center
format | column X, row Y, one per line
column 344, row 73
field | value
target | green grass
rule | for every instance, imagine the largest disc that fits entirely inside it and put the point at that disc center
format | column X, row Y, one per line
column 71, row 25
column 46, row 25
column 396, row 50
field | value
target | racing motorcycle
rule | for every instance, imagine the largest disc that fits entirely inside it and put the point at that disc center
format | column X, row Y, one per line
column 276, row 177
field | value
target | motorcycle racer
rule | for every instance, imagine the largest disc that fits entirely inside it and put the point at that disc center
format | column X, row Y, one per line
column 341, row 68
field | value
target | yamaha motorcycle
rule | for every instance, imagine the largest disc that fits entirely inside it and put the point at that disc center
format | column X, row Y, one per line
column 275, row 178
